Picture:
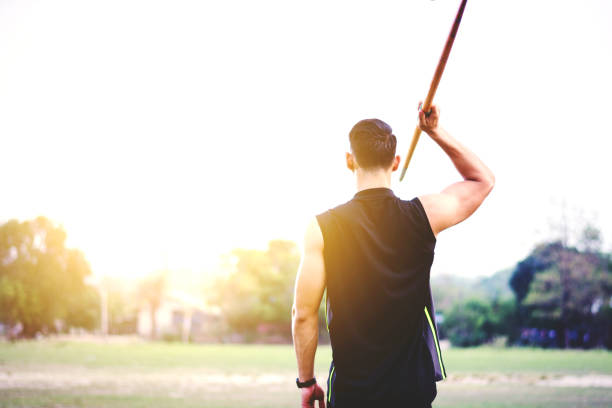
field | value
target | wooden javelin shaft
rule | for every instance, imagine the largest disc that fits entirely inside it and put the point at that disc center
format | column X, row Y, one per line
column 434, row 82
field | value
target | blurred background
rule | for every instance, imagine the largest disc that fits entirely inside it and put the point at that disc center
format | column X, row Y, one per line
column 161, row 160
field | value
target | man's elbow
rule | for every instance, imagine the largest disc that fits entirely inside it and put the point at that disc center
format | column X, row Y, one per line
column 302, row 315
column 490, row 182
column 487, row 181
column 294, row 313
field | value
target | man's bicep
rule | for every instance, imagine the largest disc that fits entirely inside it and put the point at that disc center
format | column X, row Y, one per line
column 453, row 205
column 310, row 281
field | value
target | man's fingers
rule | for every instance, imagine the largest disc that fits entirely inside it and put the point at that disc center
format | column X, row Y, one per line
column 320, row 395
column 435, row 110
column 309, row 399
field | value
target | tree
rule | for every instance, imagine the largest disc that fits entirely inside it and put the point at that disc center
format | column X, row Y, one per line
column 469, row 324
column 557, row 286
column 479, row 320
column 41, row 281
column 151, row 292
column 259, row 290
column 590, row 239
column 540, row 259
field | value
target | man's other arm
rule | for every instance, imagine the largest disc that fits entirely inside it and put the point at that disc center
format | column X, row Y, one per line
column 309, row 287
column 459, row 200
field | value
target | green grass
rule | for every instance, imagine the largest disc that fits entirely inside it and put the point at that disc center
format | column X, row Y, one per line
column 527, row 360
column 227, row 358
column 520, row 396
column 241, row 358
column 62, row 374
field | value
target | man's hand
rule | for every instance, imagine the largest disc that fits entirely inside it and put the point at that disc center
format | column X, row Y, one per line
column 428, row 122
column 312, row 394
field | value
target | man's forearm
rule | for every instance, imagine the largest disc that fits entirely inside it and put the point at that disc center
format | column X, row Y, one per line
column 466, row 162
column 305, row 338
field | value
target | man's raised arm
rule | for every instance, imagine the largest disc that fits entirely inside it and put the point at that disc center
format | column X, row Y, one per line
column 309, row 287
column 458, row 201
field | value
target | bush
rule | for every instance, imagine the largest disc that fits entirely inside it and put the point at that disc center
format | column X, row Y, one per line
column 468, row 324
column 478, row 321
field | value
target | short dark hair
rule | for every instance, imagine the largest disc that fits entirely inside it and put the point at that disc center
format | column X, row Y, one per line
column 373, row 144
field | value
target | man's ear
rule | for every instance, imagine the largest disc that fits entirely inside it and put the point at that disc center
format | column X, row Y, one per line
column 396, row 163
column 350, row 162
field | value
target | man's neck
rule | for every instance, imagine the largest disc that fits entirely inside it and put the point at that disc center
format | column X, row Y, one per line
column 373, row 179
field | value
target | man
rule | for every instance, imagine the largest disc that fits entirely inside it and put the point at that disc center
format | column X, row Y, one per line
column 373, row 255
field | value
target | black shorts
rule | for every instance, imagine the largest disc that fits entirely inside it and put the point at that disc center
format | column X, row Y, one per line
column 419, row 393
column 358, row 400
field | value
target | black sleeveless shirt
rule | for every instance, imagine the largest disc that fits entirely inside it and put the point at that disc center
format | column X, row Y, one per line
column 378, row 251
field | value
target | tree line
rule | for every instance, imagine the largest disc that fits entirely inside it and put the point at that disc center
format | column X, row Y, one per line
column 561, row 297
column 558, row 296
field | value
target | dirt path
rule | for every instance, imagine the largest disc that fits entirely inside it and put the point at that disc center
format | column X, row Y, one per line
column 186, row 381
column 547, row 380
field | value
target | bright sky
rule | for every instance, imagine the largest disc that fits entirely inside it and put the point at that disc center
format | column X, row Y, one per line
column 164, row 133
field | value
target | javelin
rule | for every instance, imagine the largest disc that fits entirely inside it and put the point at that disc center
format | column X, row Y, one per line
column 434, row 82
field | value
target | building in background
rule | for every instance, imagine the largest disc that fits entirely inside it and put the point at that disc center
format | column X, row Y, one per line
column 181, row 316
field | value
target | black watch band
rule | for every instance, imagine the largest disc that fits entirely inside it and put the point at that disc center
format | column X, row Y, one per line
column 305, row 384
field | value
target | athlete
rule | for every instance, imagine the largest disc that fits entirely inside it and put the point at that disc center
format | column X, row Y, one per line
column 373, row 254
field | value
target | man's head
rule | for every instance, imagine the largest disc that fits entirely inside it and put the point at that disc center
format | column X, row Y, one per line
column 372, row 146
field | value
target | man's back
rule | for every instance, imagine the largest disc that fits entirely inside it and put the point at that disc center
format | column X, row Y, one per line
column 373, row 255
column 378, row 251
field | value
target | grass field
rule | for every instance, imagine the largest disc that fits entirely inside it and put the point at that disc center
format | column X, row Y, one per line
column 108, row 375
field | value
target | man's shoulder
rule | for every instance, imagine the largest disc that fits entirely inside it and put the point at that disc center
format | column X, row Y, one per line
column 332, row 216
column 338, row 209
column 412, row 205
column 419, row 214
column 313, row 238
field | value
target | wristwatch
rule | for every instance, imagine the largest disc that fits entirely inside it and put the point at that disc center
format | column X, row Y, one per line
column 305, row 384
